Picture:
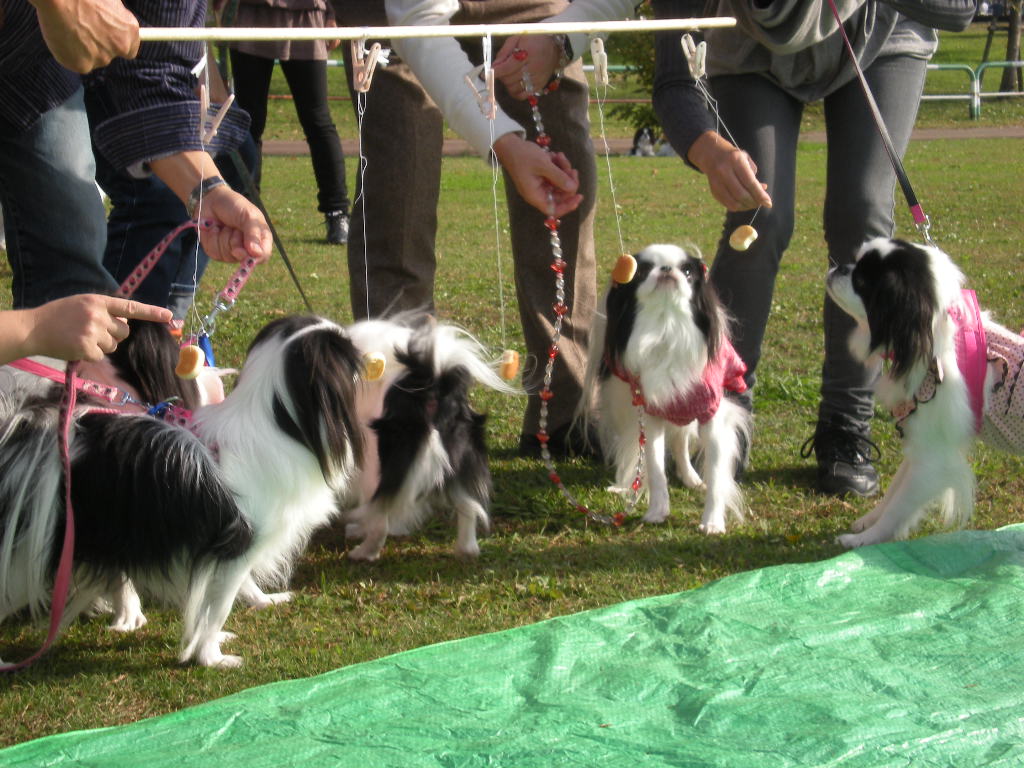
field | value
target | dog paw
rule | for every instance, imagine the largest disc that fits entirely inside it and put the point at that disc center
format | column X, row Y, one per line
column 467, row 552
column 98, row 607
column 713, row 528
column 211, row 656
column 128, row 622
column 224, row 637
column 656, row 515
column 691, row 479
column 364, row 554
column 354, row 531
column 264, row 600
column 862, row 523
column 854, row 540
column 226, row 661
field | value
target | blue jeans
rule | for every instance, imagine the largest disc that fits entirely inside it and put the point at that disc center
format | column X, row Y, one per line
column 53, row 214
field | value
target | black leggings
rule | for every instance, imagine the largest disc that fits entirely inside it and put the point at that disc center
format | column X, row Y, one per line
column 307, row 81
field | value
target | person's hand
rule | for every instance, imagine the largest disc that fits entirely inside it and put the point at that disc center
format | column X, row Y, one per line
column 332, row 44
column 85, row 34
column 241, row 231
column 83, row 327
column 732, row 174
column 542, row 56
column 538, row 174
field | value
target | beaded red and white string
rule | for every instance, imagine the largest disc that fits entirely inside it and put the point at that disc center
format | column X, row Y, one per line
column 558, row 265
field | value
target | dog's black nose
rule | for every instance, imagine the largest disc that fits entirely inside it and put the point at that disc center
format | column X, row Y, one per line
column 666, row 268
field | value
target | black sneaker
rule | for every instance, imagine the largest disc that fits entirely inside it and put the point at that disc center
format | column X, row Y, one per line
column 337, row 227
column 845, row 454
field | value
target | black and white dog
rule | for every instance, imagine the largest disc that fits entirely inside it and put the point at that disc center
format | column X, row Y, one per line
column 643, row 142
column 189, row 516
column 663, row 341
column 948, row 373
column 425, row 444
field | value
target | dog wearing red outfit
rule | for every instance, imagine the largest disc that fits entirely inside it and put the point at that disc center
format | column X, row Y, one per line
column 662, row 344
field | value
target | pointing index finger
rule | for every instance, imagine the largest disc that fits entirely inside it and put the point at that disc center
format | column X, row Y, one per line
column 134, row 310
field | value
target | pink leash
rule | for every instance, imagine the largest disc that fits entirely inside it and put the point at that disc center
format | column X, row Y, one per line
column 62, row 579
column 225, row 299
column 104, row 391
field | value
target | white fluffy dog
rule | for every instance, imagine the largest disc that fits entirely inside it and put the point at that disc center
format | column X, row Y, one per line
column 949, row 375
column 425, row 444
column 662, row 341
column 189, row 516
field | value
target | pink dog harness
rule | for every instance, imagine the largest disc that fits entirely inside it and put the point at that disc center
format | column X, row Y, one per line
column 971, row 359
column 1001, row 423
column 701, row 402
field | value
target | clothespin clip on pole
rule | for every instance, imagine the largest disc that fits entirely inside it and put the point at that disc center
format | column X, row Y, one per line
column 600, row 60
column 212, row 126
column 695, row 55
column 207, row 127
column 364, row 62
column 485, row 98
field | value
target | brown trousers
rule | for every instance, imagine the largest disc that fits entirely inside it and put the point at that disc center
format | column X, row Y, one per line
column 392, row 265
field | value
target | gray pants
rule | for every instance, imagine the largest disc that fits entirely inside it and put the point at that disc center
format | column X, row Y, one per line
column 859, row 204
column 392, row 265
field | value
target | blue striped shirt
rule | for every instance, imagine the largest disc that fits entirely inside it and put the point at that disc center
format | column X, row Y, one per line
column 148, row 105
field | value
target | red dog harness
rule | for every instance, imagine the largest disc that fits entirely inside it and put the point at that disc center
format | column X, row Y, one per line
column 700, row 403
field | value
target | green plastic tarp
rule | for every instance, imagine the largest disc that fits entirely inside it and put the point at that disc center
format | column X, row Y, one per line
column 904, row 654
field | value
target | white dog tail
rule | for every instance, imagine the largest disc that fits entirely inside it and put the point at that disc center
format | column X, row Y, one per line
column 454, row 346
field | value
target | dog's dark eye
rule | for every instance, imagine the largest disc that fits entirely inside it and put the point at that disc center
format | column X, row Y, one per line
column 687, row 270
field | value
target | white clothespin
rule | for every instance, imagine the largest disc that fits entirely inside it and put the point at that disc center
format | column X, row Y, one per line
column 484, row 97
column 199, row 72
column 695, row 55
column 600, row 60
column 211, row 126
column 364, row 62
column 207, row 127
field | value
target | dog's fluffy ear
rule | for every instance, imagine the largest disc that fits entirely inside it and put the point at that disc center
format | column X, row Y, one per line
column 620, row 311
column 321, row 367
column 899, row 295
column 708, row 312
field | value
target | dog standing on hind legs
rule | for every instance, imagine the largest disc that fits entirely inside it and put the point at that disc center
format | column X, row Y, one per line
column 662, row 342
column 948, row 373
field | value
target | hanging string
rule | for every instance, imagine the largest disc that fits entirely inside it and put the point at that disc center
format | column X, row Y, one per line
column 495, row 176
column 361, row 197
column 600, row 88
column 695, row 54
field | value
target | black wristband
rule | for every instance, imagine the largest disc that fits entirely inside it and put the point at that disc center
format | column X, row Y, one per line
column 210, row 182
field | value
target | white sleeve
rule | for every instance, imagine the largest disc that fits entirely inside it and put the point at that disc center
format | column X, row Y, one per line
column 440, row 64
column 594, row 10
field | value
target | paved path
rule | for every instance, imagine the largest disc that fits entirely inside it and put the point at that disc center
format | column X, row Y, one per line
column 455, row 147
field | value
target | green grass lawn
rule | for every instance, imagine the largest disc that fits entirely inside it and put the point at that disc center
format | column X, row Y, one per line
column 542, row 558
